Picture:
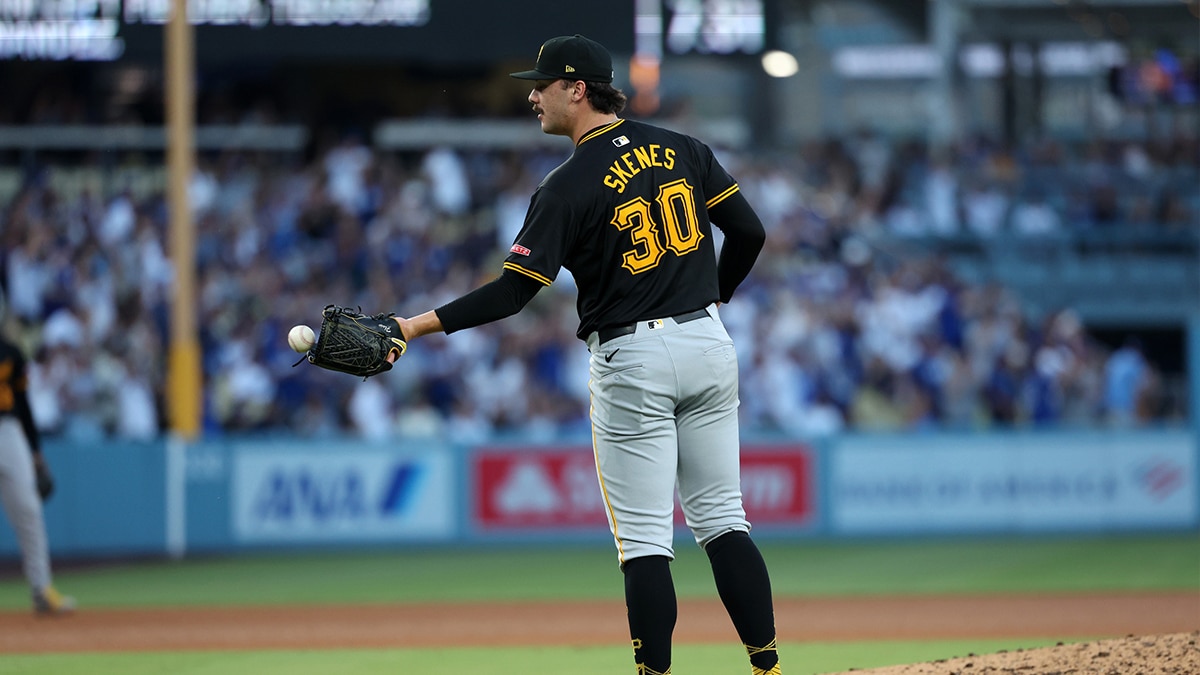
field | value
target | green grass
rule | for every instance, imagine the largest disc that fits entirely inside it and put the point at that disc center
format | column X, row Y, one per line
column 1017, row 565
column 797, row 569
column 806, row 659
column 989, row 566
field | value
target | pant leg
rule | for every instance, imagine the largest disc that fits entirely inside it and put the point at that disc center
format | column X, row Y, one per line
column 634, row 439
column 707, row 424
column 22, row 505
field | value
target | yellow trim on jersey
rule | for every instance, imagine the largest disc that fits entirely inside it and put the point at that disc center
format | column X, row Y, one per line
column 612, row 515
column 544, row 280
column 722, row 197
column 599, row 131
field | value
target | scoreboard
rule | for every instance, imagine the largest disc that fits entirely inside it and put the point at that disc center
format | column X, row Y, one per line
column 430, row 31
column 433, row 31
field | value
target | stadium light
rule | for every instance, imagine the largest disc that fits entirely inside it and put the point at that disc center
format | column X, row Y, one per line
column 779, row 63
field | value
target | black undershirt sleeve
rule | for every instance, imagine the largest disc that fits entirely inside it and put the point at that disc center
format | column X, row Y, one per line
column 744, row 239
column 501, row 297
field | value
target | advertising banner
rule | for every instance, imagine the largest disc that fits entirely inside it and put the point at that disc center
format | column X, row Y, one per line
column 557, row 488
column 301, row 496
column 779, row 485
column 550, row 488
column 1013, row 482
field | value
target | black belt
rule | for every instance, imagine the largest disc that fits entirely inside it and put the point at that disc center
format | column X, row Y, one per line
column 606, row 334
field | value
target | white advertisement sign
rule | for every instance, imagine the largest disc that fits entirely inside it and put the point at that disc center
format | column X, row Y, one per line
column 298, row 496
column 1018, row 482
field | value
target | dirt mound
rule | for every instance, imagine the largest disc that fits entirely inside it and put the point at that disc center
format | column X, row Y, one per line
column 1171, row 654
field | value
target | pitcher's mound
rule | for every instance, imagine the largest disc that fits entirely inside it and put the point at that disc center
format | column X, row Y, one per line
column 1171, row 654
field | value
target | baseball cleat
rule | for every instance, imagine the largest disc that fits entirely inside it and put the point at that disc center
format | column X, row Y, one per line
column 49, row 602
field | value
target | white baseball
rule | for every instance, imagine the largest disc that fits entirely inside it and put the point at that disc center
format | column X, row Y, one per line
column 301, row 338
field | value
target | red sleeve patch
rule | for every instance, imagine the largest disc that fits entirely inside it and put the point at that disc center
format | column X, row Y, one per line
column 520, row 250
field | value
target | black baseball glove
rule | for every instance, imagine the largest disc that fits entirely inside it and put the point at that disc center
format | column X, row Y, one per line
column 354, row 343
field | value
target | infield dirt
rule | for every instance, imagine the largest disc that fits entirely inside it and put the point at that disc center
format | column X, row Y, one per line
column 1151, row 633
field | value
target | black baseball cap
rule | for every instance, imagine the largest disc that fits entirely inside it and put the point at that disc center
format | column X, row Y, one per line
column 571, row 57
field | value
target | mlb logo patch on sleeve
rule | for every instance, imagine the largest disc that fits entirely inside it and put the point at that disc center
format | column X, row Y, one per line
column 621, row 141
column 519, row 250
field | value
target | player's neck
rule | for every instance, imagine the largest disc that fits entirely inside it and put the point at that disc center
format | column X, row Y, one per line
column 589, row 121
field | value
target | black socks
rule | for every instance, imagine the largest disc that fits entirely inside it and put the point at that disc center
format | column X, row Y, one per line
column 742, row 582
column 745, row 588
column 650, row 601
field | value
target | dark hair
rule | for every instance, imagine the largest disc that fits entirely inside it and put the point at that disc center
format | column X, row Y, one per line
column 605, row 98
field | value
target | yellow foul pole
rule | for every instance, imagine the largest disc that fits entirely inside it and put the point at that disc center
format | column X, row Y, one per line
column 183, row 377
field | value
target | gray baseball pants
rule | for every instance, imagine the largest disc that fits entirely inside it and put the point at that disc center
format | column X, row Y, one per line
column 22, row 505
column 664, row 417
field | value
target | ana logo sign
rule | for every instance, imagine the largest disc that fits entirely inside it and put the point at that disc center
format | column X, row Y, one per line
column 1160, row 478
column 298, row 496
column 293, row 493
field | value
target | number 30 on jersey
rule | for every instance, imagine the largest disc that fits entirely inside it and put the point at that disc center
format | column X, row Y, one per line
column 679, row 231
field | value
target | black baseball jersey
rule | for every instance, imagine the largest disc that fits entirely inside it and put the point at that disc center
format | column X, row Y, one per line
column 627, row 215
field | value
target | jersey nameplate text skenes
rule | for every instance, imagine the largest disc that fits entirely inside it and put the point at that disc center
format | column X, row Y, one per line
column 633, row 162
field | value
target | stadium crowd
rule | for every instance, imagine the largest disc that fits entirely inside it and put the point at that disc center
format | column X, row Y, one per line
column 833, row 332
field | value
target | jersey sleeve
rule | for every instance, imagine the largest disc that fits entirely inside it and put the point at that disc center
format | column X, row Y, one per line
column 502, row 297
column 744, row 239
column 718, row 184
column 729, row 211
column 542, row 244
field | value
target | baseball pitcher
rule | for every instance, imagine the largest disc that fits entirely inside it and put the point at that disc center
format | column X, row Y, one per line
column 630, row 215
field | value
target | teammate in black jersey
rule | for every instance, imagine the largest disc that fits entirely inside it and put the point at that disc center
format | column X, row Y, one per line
column 630, row 215
column 25, row 480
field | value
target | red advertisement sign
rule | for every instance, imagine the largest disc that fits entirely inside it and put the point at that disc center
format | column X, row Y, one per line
column 536, row 488
column 779, row 485
column 556, row 488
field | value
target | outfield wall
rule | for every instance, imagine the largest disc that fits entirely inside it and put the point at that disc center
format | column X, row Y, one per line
column 122, row 499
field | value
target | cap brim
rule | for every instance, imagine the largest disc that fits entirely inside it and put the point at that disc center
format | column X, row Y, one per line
column 533, row 75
